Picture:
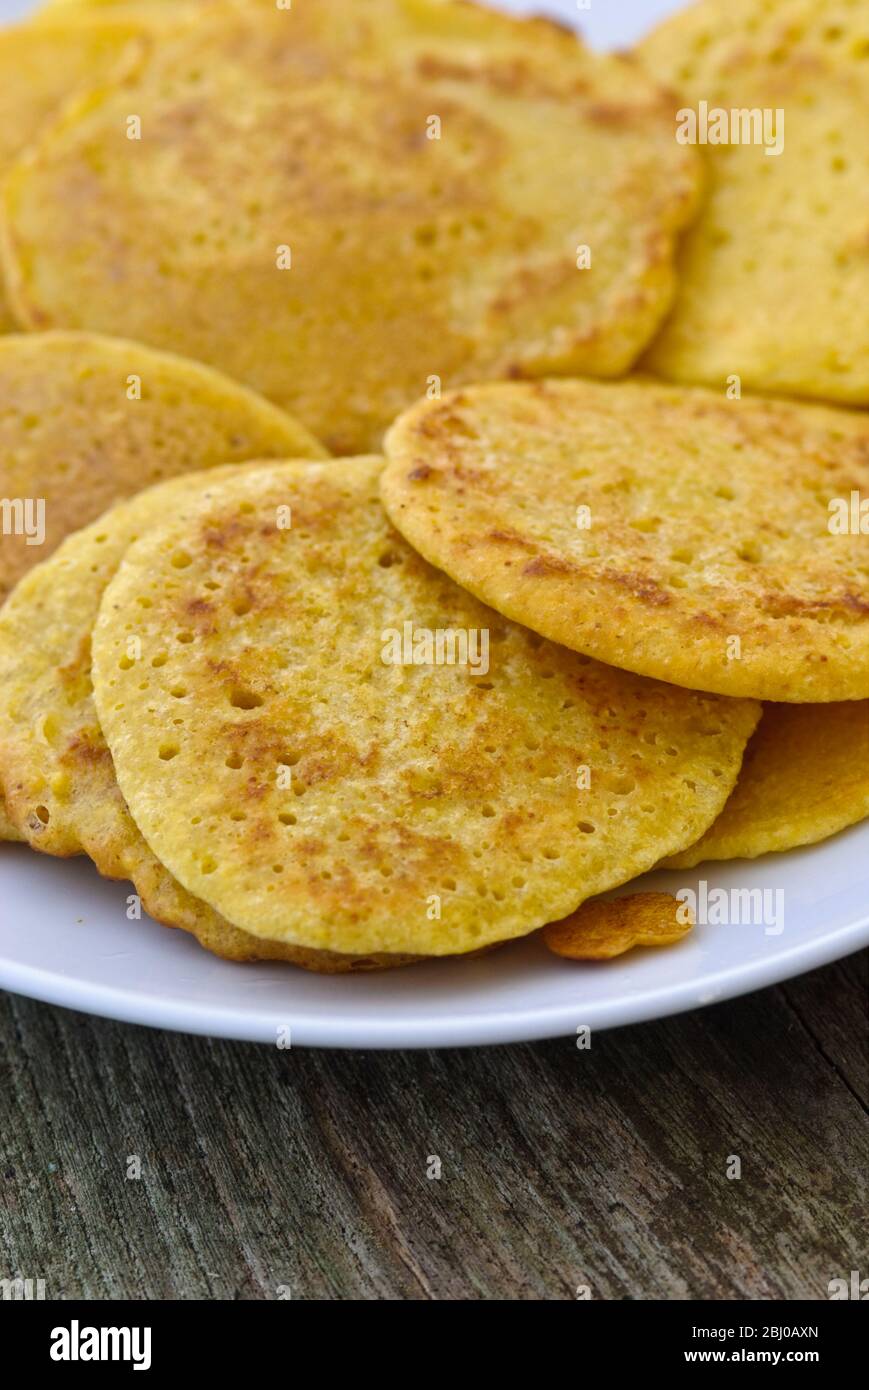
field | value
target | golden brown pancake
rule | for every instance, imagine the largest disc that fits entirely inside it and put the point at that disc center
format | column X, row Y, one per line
column 335, row 747
column 669, row 531
column 805, row 776
column 347, row 205
column 53, row 756
column 42, row 65
column 774, row 275
column 87, row 420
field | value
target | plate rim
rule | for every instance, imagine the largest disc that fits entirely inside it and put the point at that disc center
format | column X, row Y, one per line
column 483, row 1025
column 488, row 1027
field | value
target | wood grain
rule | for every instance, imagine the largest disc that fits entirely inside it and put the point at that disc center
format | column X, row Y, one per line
column 307, row 1170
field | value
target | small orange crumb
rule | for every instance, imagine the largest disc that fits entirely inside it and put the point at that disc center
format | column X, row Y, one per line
column 599, row 930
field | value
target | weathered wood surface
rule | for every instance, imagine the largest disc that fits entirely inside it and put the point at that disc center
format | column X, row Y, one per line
column 263, row 1168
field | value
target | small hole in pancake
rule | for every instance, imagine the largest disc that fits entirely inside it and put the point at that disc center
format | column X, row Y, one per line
column 180, row 560
column 244, row 699
column 585, row 826
column 235, row 761
column 43, row 814
column 209, row 865
column 750, row 552
column 168, row 751
column 287, row 818
column 185, row 636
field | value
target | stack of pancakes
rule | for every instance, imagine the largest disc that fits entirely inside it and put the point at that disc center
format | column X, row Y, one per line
column 446, row 484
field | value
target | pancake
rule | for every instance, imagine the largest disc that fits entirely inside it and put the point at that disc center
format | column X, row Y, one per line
column 72, row 442
column 51, row 8
column 293, row 769
column 41, row 66
column 71, row 437
column 805, row 776
column 668, row 531
column 7, row 829
column 774, row 275
column 286, row 217
column 165, row 12
column 53, row 756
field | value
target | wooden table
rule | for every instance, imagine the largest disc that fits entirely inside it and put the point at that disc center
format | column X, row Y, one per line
column 306, row 1172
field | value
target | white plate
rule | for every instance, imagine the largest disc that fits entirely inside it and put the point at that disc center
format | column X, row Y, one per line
column 65, row 938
